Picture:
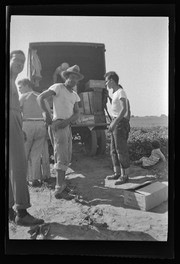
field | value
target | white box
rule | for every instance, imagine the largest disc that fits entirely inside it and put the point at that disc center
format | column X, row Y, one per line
column 146, row 197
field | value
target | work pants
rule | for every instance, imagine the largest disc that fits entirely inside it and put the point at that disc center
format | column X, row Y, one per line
column 119, row 147
column 18, row 189
column 36, row 134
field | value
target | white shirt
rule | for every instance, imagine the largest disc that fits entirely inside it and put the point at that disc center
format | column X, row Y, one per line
column 116, row 106
column 156, row 155
column 63, row 101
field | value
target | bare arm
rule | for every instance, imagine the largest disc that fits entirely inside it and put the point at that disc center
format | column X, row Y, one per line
column 76, row 113
column 110, row 99
column 120, row 116
column 41, row 101
column 162, row 156
column 55, row 74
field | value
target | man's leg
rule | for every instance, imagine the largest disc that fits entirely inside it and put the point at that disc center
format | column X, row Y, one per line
column 62, row 150
column 18, row 170
column 29, row 130
column 12, row 213
column 115, row 160
column 121, row 137
column 36, row 150
column 46, row 174
column 18, row 164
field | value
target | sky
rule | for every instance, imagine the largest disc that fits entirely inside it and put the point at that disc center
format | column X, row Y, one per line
column 136, row 49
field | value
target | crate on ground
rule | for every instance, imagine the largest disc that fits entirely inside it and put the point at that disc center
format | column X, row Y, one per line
column 145, row 198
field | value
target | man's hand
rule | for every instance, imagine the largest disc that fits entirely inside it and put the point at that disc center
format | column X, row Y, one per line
column 60, row 124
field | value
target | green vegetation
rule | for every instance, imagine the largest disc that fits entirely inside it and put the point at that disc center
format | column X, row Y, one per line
column 140, row 140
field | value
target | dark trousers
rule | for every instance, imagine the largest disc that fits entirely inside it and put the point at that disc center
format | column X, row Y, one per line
column 119, row 149
column 18, row 188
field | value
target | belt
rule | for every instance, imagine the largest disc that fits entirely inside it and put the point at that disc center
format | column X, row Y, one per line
column 33, row 119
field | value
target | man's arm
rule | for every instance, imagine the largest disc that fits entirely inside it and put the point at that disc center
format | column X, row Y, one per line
column 21, row 101
column 76, row 114
column 42, row 104
column 55, row 74
column 120, row 116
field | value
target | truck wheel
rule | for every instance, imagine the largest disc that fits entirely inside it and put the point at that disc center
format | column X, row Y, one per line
column 90, row 143
column 101, row 141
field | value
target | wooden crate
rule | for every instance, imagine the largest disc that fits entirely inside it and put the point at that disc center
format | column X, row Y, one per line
column 91, row 102
column 95, row 84
column 147, row 197
column 92, row 109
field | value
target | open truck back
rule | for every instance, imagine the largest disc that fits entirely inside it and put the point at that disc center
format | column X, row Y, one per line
column 90, row 57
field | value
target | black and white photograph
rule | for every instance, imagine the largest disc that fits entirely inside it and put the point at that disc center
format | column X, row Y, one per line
column 88, row 144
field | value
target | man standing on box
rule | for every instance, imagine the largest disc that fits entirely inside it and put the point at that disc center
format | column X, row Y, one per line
column 119, row 129
column 65, row 112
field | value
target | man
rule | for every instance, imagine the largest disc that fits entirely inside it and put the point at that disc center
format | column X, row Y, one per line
column 18, row 189
column 64, row 66
column 119, row 129
column 36, row 132
column 65, row 112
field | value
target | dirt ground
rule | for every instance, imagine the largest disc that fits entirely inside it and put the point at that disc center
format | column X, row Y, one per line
column 100, row 213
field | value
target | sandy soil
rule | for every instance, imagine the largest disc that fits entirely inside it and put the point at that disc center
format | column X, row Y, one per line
column 101, row 213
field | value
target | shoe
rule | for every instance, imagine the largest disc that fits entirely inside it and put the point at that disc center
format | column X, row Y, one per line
column 58, row 194
column 122, row 180
column 12, row 215
column 113, row 177
column 28, row 220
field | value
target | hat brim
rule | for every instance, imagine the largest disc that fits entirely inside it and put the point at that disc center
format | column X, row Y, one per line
column 65, row 75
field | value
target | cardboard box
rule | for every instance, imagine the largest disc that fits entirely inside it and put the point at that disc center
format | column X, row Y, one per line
column 145, row 198
column 91, row 119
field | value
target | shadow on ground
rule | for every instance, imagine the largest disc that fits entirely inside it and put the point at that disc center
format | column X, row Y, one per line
column 87, row 177
column 93, row 232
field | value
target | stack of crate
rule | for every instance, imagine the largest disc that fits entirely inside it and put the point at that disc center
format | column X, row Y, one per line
column 92, row 101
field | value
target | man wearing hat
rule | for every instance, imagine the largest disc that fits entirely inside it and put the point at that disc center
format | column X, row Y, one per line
column 65, row 112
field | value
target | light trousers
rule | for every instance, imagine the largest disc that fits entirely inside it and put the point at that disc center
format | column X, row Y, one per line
column 36, row 135
column 62, row 148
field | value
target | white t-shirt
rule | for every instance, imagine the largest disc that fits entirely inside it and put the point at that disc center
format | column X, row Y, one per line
column 116, row 107
column 63, row 101
column 156, row 155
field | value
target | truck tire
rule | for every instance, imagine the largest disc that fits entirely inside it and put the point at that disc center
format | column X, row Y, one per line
column 101, row 142
column 90, row 143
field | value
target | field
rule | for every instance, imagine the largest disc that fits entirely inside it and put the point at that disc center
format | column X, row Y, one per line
column 149, row 121
column 99, row 212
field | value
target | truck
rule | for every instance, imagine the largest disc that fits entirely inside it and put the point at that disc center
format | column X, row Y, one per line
column 45, row 57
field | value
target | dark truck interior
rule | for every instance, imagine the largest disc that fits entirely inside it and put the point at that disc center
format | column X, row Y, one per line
column 90, row 57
